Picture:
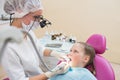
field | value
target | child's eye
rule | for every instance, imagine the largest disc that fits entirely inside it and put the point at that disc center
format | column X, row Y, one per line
column 76, row 51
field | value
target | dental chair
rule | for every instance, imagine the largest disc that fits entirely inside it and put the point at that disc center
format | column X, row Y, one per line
column 103, row 68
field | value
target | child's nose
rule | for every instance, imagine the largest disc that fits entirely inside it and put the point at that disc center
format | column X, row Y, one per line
column 69, row 54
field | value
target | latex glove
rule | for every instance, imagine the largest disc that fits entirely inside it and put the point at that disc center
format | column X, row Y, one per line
column 60, row 56
column 59, row 69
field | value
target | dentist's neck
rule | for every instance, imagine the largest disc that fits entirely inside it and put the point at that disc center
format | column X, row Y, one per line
column 17, row 23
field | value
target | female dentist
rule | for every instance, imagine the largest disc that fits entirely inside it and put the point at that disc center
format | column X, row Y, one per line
column 20, row 61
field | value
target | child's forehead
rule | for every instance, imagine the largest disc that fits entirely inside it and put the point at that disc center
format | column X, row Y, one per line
column 79, row 45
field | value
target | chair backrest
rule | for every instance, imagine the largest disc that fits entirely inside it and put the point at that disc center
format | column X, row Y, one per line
column 103, row 68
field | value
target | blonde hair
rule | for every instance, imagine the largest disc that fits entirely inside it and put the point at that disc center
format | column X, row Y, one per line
column 90, row 52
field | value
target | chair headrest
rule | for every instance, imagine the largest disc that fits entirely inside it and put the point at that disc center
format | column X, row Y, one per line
column 98, row 42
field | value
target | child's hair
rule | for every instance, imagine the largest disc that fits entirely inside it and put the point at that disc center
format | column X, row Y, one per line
column 90, row 52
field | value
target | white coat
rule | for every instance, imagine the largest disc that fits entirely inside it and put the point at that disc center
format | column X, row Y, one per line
column 21, row 61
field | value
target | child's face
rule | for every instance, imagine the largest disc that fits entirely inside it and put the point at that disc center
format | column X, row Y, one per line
column 77, row 56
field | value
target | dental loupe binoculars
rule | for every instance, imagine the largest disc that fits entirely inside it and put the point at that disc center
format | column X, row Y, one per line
column 42, row 21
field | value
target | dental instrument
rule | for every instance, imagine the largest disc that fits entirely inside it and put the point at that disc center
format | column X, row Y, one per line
column 44, row 64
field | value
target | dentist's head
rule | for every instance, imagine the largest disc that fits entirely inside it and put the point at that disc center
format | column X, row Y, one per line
column 23, row 12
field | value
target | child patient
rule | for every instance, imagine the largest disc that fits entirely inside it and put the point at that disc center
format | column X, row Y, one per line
column 81, row 55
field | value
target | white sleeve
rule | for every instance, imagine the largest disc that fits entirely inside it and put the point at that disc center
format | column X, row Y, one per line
column 12, row 65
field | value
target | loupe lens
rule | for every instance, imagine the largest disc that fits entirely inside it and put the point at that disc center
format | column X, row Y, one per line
column 43, row 24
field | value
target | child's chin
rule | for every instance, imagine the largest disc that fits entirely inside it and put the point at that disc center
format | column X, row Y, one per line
column 70, row 63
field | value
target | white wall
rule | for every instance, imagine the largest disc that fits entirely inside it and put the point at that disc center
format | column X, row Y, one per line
column 85, row 17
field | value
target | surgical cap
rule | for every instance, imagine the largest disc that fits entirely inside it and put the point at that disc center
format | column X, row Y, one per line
column 21, row 7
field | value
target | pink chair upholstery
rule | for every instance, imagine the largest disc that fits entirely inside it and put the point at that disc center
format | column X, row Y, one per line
column 103, row 68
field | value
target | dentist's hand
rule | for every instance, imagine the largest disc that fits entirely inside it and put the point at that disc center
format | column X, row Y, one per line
column 59, row 69
column 60, row 56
